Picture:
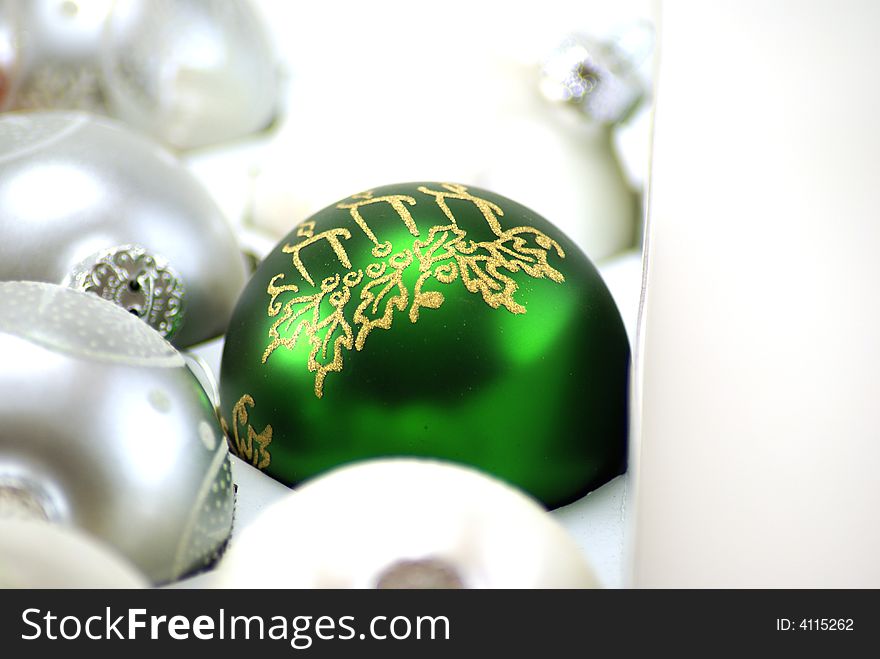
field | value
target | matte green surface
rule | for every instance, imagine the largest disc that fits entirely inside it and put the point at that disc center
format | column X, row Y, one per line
column 537, row 398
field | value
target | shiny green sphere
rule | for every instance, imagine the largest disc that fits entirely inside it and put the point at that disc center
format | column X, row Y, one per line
column 436, row 320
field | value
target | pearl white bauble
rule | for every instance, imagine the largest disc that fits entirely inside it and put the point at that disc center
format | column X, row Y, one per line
column 189, row 72
column 404, row 523
column 56, row 46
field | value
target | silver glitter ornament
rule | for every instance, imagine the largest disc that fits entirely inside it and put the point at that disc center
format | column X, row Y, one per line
column 103, row 427
column 86, row 202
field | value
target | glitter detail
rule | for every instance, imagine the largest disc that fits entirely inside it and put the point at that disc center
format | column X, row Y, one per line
column 254, row 447
column 80, row 324
column 210, row 524
column 444, row 255
column 22, row 135
column 61, row 85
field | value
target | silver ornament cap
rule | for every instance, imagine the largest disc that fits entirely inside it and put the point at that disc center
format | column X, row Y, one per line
column 597, row 77
column 140, row 282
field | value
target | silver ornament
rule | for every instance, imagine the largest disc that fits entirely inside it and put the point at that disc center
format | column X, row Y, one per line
column 190, row 72
column 103, row 427
column 86, row 202
column 57, row 47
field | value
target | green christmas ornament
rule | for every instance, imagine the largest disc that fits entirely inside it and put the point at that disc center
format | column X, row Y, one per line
column 433, row 320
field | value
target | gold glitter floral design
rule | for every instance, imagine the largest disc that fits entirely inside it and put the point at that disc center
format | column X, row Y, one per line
column 254, row 446
column 444, row 255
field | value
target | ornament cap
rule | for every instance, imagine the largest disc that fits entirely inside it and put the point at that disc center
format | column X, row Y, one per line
column 142, row 283
column 598, row 77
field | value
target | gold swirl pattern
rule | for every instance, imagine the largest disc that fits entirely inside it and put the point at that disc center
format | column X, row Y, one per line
column 444, row 254
column 254, row 446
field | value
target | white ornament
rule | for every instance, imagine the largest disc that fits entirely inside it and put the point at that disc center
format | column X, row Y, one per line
column 190, row 72
column 404, row 523
column 56, row 46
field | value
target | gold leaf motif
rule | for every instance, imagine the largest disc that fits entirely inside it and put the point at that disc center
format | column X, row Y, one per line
column 444, row 255
column 335, row 322
column 302, row 314
column 274, row 291
column 370, row 300
column 438, row 247
column 254, row 446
